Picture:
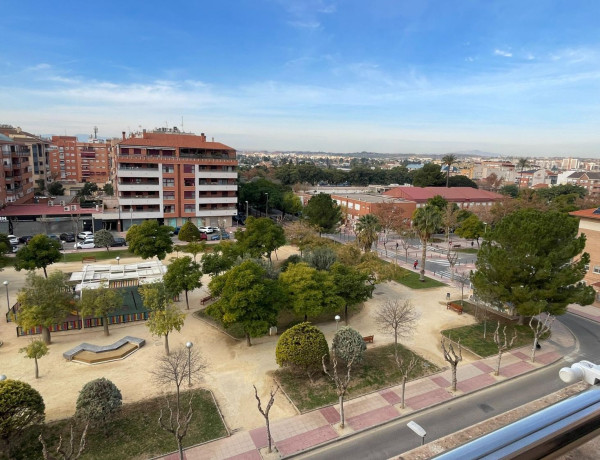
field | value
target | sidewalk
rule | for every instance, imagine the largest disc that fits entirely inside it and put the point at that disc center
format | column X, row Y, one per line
column 591, row 312
column 308, row 430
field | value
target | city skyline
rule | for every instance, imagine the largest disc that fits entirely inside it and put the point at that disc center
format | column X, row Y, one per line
column 391, row 77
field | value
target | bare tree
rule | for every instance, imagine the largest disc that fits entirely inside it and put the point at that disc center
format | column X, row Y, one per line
column 341, row 380
column 452, row 357
column 68, row 453
column 463, row 280
column 503, row 344
column 396, row 317
column 174, row 369
column 265, row 412
column 539, row 329
column 405, row 237
column 452, row 257
column 406, row 367
column 482, row 314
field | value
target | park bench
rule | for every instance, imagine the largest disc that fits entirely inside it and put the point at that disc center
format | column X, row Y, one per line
column 368, row 339
column 88, row 260
column 208, row 298
column 454, row 306
column 457, row 245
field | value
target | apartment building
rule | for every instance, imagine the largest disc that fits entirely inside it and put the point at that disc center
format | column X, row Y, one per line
column 589, row 224
column 173, row 177
column 588, row 180
column 16, row 183
column 37, row 152
column 72, row 160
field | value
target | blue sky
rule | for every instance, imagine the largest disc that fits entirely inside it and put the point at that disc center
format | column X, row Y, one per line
column 512, row 77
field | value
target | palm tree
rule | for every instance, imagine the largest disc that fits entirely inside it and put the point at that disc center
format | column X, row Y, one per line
column 366, row 231
column 522, row 163
column 448, row 160
column 426, row 221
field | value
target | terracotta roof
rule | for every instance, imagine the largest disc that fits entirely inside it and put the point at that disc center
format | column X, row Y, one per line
column 589, row 174
column 422, row 194
column 15, row 210
column 174, row 140
column 587, row 213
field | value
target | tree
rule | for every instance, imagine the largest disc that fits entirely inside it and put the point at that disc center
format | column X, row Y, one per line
column 539, row 329
column 367, row 229
column 406, row 236
column 189, row 232
column 35, row 350
column 44, row 302
column 502, row 344
column 21, row 406
column 104, row 239
column 429, row 175
column 522, row 163
column 108, row 189
column 163, row 317
column 321, row 258
column 300, row 234
column 309, row 291
column 448, row 160
column 352, row 285
column 426, row 221
column 471, row 228
column 246, row 297
column 348, row 348
column 150, row 239
column 405, row 367
column 511, row 190
column 391, row 219
column 291, row 203
column 40, row 252
column 71, row 453
column 439, row 202
column 452, row 357
column 461, row 181
column 302, row 348
column 261, row 237
column 56, row 189
column 265, row 412
column 533, row 261
column 5, row 248
column 183, row 364
column 183, row 275
column 397, row 318
column 323, row 213
column 100, row 303
column 195, row 248
column 88, row 189
column 98, row 402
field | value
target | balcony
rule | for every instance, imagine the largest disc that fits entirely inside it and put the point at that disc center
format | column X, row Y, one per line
column 138, row 201
column 216, row 212
column 138, row 172
column 143, row 215
column 217, row 199
column 216, row 188
column 216, row 175
column 132, row 187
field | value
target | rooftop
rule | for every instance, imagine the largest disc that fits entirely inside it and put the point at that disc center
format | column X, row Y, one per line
column 39, row 209
column 593, row 213
column 92, row 276
column 173, row 140
column 450, row 194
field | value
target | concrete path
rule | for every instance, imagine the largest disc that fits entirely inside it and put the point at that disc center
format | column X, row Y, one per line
column 302, row 432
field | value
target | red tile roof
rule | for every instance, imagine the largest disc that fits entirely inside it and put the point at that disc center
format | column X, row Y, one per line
column 586, row 213
column 422, row 194
column 15, row 210
column 174, row 140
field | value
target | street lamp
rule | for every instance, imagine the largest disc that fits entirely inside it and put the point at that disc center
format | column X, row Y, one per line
column 246, row 209
column 6, row 283
column 118, row 259
column 2, row 377
column 189, row 346
column 337, row 321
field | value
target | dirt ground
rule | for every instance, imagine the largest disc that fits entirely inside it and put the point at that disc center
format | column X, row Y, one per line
column 232, row 366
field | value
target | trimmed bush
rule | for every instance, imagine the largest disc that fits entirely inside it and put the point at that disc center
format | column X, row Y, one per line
column 21, row 405
column 348, row 344
column 189, row 232
column 302, row 347
column 98, row 400
column 293, row 259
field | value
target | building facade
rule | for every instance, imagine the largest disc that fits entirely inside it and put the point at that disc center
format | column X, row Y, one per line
column 37, row 149
column 589, row 224
column 588, row 180
column 16, row 183
column 464, row 197
column 173, row 177
column 72, row 160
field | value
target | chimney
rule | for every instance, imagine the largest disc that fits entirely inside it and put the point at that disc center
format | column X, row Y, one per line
column 144, row 132
column 202, row 137
column 123, row 132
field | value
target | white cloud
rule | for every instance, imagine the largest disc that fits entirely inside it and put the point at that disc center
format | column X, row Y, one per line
column 312, row 25
column 503, row 53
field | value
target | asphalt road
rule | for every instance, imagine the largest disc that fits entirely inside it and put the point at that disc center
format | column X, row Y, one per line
column 395, row 438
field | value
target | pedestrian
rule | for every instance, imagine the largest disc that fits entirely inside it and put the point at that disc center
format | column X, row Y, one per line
column 472, row 243
column 416, row 262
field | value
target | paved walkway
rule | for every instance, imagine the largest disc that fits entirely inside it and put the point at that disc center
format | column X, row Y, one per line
column 308, row 430
column 591, row 312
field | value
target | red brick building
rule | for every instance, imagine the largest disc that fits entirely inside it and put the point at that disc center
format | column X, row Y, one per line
column 464, row 197
column 16, row 183
column 78, row 161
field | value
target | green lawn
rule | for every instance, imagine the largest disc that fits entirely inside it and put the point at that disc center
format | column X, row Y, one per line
column 99, row 255
column 411, row 280
column 378, row 370
column 135, row 433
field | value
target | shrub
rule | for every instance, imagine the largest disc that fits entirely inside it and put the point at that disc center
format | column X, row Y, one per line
column 348, row 344
column 20, row 406
column 302, row 347
column 189, row 232
column 293, row 259
column 98, row 400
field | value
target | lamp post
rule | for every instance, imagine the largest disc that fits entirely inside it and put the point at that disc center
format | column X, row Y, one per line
column 189, row 346
column 2, row 377
column 118, row 260
column 130, row 216
column 246, row 209
column 6, row 283
column 337, row 321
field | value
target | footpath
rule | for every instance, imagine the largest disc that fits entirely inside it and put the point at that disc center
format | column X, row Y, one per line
column 306, row 431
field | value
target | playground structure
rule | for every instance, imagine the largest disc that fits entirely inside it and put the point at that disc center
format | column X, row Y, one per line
column 88, row 353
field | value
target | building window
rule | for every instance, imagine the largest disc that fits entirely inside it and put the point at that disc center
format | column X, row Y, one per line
column 166, row 168
column 169, row 209
column 188, row 168
column 596, row 269
column 168, row 182
column 188, row 195
column 189, row 208
column 188, row 182
column 169, row 195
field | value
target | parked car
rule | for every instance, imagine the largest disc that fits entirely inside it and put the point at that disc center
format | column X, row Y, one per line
column 239, row 219
column 88, row 243
column 69, row 237
column 206, row 229
column 84, row 235
column 13, row 240
column 203, row 236
column 119, row 241
column 14, row 248
column 216, row 229
column 220, row 236
column 25, row 239
column 56, row 238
